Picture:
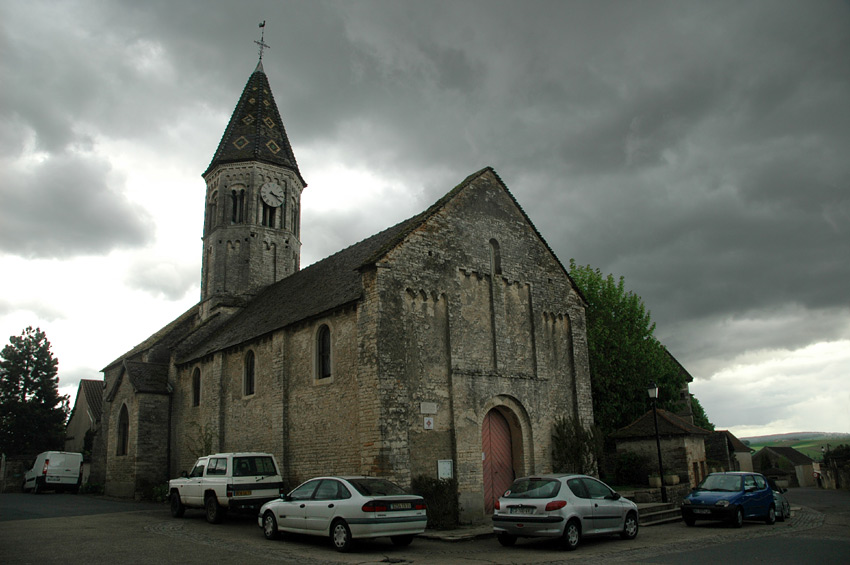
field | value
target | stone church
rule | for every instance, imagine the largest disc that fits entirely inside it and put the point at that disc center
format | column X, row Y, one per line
column 444, row 346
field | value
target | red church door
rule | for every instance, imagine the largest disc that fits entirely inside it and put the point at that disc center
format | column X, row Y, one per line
column 498, row 459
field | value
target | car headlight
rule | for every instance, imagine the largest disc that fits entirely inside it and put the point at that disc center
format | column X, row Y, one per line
column 722, row 503
column 686, row 501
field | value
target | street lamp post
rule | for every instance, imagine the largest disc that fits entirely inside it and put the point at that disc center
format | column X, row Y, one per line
column 653, row 394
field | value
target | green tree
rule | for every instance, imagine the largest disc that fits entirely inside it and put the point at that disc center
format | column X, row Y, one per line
column 624, row 354
column 575, row 449
column 700, row 417
column 32, row 413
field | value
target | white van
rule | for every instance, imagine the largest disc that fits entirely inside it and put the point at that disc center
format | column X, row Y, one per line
column 55, row 470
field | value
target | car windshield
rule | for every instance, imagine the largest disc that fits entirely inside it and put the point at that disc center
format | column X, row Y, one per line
column 534, row 488
column 726, row 483
column 376, row 487
column 253, row 466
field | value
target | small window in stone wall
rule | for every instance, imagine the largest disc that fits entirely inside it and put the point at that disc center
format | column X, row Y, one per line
column 196, row 387
column 323, row 352
column 495, row 258
column 123, row 432
column 249, row 373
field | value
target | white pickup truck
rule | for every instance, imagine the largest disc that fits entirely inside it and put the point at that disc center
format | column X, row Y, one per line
column 238, row 482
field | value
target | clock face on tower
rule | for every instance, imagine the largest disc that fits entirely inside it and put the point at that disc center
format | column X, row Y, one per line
column 272, row 194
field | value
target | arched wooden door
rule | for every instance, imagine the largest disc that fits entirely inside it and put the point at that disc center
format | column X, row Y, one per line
column 498, row 458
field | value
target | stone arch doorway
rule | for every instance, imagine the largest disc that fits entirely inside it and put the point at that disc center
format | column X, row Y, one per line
column 498, row 457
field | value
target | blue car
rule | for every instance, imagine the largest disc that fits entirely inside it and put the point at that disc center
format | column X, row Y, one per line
column 730, row 497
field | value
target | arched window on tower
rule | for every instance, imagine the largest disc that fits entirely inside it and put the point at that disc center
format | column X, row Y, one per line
column 123, row 437
column 196, row 387
column 269, row 215
column 295, row 222
column 249, row 373
column 212, row 210
column 323, row 352
column 495, row 258
column 237, row 206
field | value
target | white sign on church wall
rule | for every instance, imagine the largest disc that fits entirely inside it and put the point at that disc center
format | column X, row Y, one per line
column 427, row 407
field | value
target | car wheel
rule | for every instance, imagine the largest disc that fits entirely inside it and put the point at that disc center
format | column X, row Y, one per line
column 689, row 521
column 572, row 535
column 341, row 536
column 401, row 541
column 270, row 525
column 770, row 519
column 738, row 520
column 630, row 526
column 177, row 508
column 214, row 511
column 507, row 540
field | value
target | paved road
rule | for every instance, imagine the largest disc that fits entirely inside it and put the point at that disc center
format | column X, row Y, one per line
column 822, row 536
column 96, row 530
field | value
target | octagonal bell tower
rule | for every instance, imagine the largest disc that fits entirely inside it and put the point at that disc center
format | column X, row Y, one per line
column 253, row 203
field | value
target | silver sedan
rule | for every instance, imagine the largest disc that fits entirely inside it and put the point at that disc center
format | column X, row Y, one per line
column 345, row 509
column 568, row 507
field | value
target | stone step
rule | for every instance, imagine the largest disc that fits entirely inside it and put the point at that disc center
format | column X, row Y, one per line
column 654, row 514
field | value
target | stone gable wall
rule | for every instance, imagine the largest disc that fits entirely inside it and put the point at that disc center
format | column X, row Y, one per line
column 476, row 336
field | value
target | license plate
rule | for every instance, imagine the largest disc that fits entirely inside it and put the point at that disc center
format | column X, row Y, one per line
column 53, row 479
column 242, row 493
column 401, row 506
column 702, row 511
column 521, row 510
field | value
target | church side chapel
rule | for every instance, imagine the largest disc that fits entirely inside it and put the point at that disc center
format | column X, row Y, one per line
column 445, row 346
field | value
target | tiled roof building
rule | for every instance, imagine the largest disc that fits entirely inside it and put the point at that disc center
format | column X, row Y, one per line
column 455, row 329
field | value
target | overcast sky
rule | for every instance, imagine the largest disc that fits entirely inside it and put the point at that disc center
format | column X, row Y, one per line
column 701, row 150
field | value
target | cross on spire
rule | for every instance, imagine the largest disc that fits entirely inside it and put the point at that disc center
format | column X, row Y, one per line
column 262, row 43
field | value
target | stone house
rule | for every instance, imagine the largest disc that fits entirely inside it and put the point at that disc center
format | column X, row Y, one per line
column 85, row 417
column 799, row 466
column 682, row 444
column 445, row 346
column 723, row 448
column 84, row 422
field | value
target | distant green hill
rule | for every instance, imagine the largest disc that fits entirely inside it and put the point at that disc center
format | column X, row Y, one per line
column 809, row 443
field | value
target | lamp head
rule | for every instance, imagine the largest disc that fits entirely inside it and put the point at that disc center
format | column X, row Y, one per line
column 653, row 390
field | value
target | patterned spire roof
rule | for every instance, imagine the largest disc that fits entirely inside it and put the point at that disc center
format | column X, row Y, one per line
column 255, row 131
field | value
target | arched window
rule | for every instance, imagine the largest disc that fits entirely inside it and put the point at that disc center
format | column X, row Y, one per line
column 323, row 352
column 294, row 226
column 268, row 215
column 196, row 387
column 123, row 432
column 249, row 373
column 495, row 258
column 212, row 210
column 237, row 206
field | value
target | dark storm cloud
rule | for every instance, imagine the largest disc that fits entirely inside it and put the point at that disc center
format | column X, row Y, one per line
column 62, row 207
column 698, row 149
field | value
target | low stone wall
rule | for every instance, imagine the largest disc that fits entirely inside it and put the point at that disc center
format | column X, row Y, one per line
column 12, row 472
column 835, row 478
column 675, row 494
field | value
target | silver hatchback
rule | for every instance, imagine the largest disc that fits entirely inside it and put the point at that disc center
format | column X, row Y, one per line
column 568, row 507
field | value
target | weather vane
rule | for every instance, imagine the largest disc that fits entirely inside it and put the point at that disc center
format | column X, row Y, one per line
column 262, row 43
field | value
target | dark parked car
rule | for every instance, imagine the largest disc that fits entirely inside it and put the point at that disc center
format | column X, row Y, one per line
column 732, row 497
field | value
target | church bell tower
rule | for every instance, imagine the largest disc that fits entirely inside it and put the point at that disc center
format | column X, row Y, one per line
column 253, row 203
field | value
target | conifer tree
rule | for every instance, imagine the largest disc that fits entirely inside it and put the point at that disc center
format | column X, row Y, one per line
column 32, row 413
